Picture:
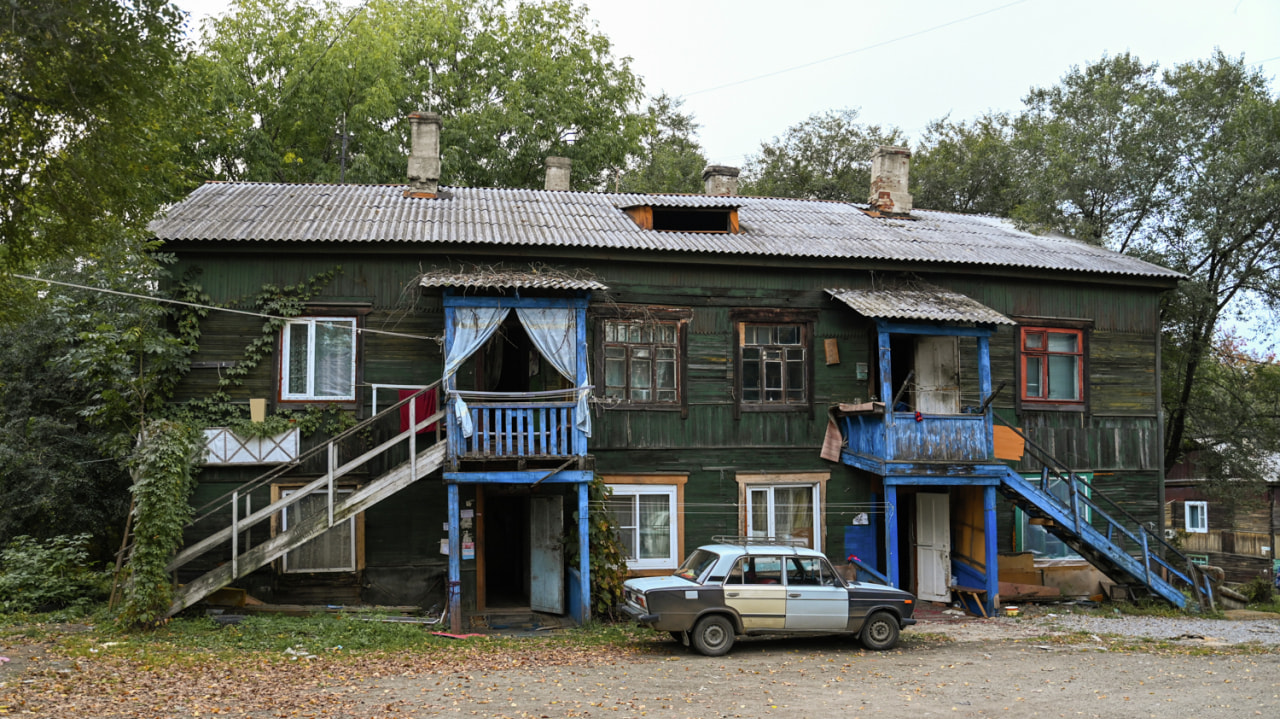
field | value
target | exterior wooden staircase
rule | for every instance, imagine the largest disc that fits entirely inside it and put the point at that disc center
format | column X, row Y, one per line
column 423, row 453
column 1100, row 530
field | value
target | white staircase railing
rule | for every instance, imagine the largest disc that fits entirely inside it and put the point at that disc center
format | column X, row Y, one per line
column 423, row 458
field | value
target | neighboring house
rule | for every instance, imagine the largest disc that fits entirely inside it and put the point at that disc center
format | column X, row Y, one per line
column 687, row 350
column 1234, row 530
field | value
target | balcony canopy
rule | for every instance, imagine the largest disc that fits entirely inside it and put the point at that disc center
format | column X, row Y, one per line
column 919, row 302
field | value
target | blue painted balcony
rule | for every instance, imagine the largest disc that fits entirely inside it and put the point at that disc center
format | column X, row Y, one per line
column 515, row 430
column 875, row 440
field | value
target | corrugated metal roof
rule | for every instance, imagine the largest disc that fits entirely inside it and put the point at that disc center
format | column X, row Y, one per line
column 690, row 201
column 498, row 279
column 921, row 302
column 261, row 212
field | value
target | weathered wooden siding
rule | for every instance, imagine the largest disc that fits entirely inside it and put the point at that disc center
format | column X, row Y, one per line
column 1118, row 434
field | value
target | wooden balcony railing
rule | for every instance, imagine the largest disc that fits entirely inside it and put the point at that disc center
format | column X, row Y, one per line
column 518, row 430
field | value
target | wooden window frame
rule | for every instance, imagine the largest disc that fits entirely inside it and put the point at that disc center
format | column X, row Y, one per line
column 1080, row 329
column 681, row 318
column 805, row 320
column 279, row 491
column 669, row 482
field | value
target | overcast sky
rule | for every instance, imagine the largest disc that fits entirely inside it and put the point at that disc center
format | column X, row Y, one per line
column 748, row 69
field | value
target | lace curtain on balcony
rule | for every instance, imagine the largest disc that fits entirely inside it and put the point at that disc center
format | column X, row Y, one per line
column 555, row 333
column 472, row 327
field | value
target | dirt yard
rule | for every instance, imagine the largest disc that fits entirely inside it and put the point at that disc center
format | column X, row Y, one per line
column 945, row 667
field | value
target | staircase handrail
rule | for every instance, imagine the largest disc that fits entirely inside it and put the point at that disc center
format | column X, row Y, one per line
column 1048, row 461
column 208, row 508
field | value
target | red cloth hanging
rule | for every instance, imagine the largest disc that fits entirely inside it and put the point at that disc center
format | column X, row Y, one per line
column 426, row 406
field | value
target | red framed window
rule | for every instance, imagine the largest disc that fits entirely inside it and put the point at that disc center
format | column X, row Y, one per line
column 1052, row 363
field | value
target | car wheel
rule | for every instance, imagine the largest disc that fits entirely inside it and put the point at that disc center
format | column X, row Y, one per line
column 713, row 635
column 880, row 632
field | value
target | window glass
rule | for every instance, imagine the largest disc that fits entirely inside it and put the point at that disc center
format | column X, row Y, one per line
column 643, row 515
column 319, row 359
column 773, row 364
column 333, row 551
column 1052, row 365
column 1197, row 517
column 784, row 513
column 1035, row 538
column 757, row 570
column 640, row 361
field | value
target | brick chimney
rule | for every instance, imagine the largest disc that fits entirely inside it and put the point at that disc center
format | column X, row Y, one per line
column 424, row 153
column 720, row 180
column 558, row 171
column 890, row 168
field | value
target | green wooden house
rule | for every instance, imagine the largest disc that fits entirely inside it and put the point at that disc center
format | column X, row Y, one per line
column 839, row 374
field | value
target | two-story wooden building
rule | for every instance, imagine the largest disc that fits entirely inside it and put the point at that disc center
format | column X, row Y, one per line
column 694, row 351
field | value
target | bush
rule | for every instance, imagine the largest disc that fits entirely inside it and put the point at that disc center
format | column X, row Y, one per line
column 48, row 575
column 1259, row 590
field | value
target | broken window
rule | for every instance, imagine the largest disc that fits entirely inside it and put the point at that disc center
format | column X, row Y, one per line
column 333, row 551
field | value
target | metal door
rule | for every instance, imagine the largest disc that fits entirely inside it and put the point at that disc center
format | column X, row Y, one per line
column 933, row 547
column 546, row 532
column 816, row 600
column 754, row 588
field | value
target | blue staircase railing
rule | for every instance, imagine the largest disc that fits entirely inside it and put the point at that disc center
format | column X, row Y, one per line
column 1098, row 528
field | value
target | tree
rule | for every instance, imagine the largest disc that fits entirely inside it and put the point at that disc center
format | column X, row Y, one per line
column 1097, row 152
column 79, row 374
column 826, row 157
column 80, row 142
column 285, row 81
column 670, row 158
column 968, row 167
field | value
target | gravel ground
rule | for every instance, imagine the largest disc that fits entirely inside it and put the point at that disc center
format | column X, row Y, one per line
column 1240, row 627
column 1224, row 631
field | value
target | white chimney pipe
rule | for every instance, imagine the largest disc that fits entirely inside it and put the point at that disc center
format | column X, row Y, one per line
column 720, row 180
column 558, row 173
column 424, row 152
column 890, row 170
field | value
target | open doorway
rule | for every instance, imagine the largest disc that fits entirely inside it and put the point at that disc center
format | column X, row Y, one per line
column 506, row 547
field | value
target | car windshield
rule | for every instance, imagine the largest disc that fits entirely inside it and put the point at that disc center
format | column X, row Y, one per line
column 696, row 565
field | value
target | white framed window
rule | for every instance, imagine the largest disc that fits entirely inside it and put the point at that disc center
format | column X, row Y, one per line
column 783, row 506
column 647, row 511
column 1197, row 517
column 333, row 551
column 318, row 359
column 1033, row 537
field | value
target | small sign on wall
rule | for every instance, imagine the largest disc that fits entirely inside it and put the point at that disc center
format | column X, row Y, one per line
column 832, row 350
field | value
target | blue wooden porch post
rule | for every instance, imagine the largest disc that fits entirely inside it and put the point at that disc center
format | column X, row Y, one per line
column 984, row 386
column 886, row 392
column 891, row 533
column 992, row 552
column 580, row 315
column 584, row 555
column 455, row 563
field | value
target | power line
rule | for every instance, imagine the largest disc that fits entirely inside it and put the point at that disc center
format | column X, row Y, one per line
column 167, row 300
column 856, row 51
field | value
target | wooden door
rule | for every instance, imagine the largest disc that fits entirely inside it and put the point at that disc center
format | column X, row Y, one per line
column 937, row 375
column 933, row 547
column 546, row 532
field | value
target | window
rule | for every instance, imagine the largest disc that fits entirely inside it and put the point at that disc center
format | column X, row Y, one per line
column 333, row 551
column 1052, row 364
column 773, row 363
column 640, row 361
column 319, row 359
column 1197, row 517
column 1033, row 537
column 646, row 509
column 784, row 507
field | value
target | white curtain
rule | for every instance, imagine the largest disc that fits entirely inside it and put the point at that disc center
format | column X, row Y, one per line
column 472, row 327
column 555, row 333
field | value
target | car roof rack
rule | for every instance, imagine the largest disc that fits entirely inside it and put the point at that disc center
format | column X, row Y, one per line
column 737, row 539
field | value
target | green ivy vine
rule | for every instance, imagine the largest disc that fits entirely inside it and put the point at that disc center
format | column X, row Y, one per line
column 217, row 410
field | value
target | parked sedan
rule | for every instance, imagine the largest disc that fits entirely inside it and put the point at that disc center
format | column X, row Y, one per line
column 723, row 590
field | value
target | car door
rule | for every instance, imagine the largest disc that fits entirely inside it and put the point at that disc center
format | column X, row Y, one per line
column 816, row 599
column 755, row 589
